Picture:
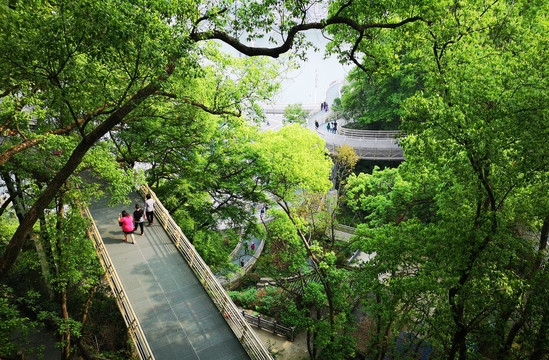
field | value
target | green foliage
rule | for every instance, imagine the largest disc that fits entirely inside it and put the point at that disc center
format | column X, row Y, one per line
column 287, row 253
column 294, row 113
column 14, row 327
column 267, row 301
column 449, row 227
column 74, row 262
column 294, row 160
column 105, row 329
column 376, row 100
column 244, row 298
column 209, row 245
column 250, row 279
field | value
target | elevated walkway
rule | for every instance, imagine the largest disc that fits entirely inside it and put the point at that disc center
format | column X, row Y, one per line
column 179, row 310
column 368, row 145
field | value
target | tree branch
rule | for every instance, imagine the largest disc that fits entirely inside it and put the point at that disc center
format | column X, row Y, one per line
column 277, row 51
column 6, row 155
column 200, row 105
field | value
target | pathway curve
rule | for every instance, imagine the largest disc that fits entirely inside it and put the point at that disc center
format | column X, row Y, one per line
column 368, row 149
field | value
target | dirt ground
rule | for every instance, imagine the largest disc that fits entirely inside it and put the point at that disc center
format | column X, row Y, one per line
column 283, row 349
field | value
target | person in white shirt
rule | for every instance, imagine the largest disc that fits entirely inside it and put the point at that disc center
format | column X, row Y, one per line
column 149, row 209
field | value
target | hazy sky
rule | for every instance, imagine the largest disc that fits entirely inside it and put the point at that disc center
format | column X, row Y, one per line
column 309, row 84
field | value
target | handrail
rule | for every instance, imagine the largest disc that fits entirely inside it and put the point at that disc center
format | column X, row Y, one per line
column 345, row 228
column 276, row 328
column 247, row 337
column 368, row 134
column 136, row 332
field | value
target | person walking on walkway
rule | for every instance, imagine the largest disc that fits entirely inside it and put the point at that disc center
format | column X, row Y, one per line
column 149, row 209
column 126, row 221
column 245, row 247
column 138, row 220
column 252, row 246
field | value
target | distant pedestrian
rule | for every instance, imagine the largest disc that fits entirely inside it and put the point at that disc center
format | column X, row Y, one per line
column 126, row 221
column 335, row 127
column 241, row 262
column 262, row 212
column 326, row 107
column 328, row 127
column 246, row 250
column 252, row 246
column 149, row 209
column 316, row 124
column 138, row 220
column 322, row 106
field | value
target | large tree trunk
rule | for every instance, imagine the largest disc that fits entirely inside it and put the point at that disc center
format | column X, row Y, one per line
column 15, row 195
column 66, row 335
column 526, row 314
column 18, row 239
column 541, row 349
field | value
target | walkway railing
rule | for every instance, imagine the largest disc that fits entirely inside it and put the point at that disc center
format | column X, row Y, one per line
column 370, row 153
column 136, row 333
column 345, row 228
column 368, row 134
column 249, row 340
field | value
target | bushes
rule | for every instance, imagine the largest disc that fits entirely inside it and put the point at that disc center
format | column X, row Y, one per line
column 267, row 301
column 249, row 280
column 244, row 298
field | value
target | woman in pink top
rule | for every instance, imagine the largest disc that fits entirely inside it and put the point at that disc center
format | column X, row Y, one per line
column 126, row 221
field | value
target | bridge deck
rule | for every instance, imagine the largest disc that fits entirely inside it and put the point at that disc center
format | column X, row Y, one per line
column 176, row 314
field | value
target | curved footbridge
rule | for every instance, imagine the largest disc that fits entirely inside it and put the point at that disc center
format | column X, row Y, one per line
column 368, row 144
column 170, row 300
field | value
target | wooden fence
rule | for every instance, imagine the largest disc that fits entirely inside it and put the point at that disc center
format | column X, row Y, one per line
column 272, row 326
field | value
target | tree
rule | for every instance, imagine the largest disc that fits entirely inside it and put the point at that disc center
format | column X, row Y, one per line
column 202, row 166
column 294, row 113
column 374, row 99
column 104, row 65
column 297, row 173
column 457, row 226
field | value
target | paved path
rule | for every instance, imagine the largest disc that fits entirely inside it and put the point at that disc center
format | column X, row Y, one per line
column 243, row 255
column 370, row 149
column 176, row 314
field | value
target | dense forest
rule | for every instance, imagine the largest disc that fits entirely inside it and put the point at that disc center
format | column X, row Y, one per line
column 457, row 233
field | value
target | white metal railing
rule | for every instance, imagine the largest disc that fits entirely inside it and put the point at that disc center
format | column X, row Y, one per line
column 245, row 334
column 368, row 134
column 345, row 228
column 136, row 332
column 371, row 153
